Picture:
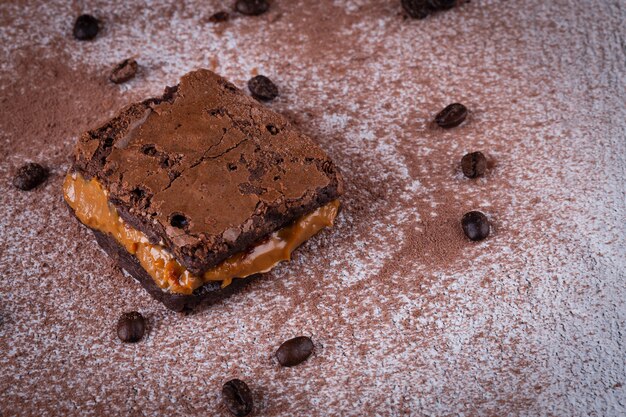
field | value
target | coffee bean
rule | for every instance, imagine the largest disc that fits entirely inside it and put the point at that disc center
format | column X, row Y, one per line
column 473, row 164
column 417, row 9
column 237, row 397
column 262, row 88
column 29, row 176
column 219, row 17
column 86, row 27
column 294, row 351
column 131, row 327
column 441, row 4
column 453, row 115
column 475, row 225
column 252, row 7
column 124, row 71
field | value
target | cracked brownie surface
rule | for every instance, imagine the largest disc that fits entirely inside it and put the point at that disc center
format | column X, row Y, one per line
column 206, row 170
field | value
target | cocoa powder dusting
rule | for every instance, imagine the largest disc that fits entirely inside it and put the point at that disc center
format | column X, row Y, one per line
column 406, row 314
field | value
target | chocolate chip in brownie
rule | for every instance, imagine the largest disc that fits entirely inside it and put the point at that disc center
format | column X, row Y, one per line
column 219, row 17
column 86, row 27
column 474, row 164
column 29, row 176
column 124, row 71
column 262, row 88
column 475, row 225
column 131, row 327
column 452, row 116
column 237, row 397
column 179, row 221
column 272, row 129
column 149, row 150
column 417, row 9
column 252, row 7
column 294, row 351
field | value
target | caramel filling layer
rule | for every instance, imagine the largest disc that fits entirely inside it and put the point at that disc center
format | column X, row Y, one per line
column 90, row 203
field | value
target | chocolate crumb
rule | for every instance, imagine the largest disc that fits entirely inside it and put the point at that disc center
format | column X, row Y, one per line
column 262, row 88
column 237, row 397
column 131, row 327
column 86, row 27
column 252, row 7
column 123, row 71
column 29, row 176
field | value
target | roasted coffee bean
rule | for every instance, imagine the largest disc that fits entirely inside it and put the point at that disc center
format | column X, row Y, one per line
column 453, row 115
column 219, row 17
column 124, row 71
column 252, row 7
column 294, row 351
column 473, row 164
column 29, row 176
column 441, row 4
column 131, row 327
column 237, row 397
column 86, row 27
column 262, row 88
column 417, row 9
column 475, row 225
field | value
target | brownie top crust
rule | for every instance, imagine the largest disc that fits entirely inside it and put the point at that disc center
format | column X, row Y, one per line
column 206, row 170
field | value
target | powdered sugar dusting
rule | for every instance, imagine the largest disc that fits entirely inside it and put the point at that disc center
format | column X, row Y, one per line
column 408, row 317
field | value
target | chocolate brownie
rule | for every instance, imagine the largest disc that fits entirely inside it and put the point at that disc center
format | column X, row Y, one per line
column 204, row 172
column 205, row 295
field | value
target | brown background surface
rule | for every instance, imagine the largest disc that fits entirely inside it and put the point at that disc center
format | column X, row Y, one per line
column 408, row 317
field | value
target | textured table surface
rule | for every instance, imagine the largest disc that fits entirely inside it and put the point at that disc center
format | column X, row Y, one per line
column 408, row 317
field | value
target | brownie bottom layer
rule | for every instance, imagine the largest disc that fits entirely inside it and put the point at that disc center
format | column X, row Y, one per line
column 208, row 294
